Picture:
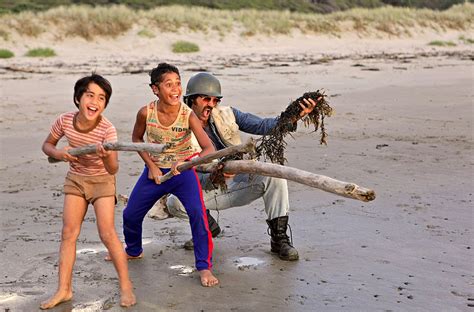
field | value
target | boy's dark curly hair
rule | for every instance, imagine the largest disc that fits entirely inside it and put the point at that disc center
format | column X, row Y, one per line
column 156, row 74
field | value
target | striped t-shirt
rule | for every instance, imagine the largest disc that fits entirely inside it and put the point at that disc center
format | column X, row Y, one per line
column 89, row 164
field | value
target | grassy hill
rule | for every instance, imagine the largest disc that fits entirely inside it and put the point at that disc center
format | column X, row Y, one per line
column 112, row 21
column 305, row 6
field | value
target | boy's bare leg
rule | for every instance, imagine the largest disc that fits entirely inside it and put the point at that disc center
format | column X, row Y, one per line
column 104, row 211
column 207, row 279
column 75, row 208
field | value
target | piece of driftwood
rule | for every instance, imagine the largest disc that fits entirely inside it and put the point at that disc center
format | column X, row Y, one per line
column 117, row 146
column 321, row 182
column 25, row 70
column 247, row 147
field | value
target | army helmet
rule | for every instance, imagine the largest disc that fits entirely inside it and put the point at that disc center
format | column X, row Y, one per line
column 203, row 83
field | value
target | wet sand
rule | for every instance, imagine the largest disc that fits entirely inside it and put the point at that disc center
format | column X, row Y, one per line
column 403, row 126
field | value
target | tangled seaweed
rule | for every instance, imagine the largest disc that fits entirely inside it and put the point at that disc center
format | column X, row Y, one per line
column 272, row 146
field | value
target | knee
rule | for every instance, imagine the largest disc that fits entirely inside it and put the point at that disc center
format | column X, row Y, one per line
column 172, row 203
column 278, row 183
column 131, row 217
column 106, row 236
column 175, row 207
column 70, row 233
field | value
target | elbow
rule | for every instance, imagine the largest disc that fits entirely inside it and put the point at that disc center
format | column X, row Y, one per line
column 46, row 149
column 210, row 149
column 113, row 170
column 111, row 167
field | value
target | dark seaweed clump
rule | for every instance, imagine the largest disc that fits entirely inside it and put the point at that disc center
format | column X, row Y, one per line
column 272, row 146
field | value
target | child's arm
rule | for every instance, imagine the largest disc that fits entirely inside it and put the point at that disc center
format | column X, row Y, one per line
column 49, row 148
column 139, row 128
column 201, row 135
column 109, row 159
column 202, row 138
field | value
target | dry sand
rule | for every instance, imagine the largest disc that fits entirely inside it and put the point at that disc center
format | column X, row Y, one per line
column 403, row 126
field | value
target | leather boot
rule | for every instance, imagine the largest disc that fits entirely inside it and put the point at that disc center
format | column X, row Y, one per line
column 213, row 227
column 280, row 242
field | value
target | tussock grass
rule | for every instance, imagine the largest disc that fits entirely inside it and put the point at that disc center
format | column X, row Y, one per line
column 27, row 24
column 197, row 19
column 441, row 43
column 466, row 40
column 4, row 35
column 88, row 22
column 111, row 21
column 146, row 33
column 41, row 52
column 4, row 53
column 184, row 47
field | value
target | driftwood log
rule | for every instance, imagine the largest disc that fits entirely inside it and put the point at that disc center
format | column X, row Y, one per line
column 321, row 182
column 247, row 147
column 117, row 146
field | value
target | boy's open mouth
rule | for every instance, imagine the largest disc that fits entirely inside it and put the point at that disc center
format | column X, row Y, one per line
column 92, row 110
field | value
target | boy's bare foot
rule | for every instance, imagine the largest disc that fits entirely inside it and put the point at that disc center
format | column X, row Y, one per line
column 127, row 298
column 207, row 279
column 140, row 256
column 59, row 297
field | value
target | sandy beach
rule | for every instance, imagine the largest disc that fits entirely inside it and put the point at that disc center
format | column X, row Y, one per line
column 402, row 126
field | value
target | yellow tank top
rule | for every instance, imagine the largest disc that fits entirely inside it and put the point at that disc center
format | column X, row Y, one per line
column 177, row 136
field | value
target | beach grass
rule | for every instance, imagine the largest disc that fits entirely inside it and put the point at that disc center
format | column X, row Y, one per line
column 442, row 43
column 4, row 35
column 303, row 6
column 41, row 52
column 466, row 40
column 91, row 22
column 184, row 47
column 4, row 53
column 145, row 33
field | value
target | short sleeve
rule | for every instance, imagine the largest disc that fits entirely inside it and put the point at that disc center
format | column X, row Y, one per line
column 111, row 135
column 57, row 129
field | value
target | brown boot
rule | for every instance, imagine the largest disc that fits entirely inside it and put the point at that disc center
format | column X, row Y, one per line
column 280, row 242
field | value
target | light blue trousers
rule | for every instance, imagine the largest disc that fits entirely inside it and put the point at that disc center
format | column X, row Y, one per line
column 242, row 189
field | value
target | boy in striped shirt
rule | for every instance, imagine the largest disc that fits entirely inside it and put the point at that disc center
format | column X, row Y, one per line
column 90, row 180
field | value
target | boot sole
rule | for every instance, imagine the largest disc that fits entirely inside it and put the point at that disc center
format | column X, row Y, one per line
column 289, row 258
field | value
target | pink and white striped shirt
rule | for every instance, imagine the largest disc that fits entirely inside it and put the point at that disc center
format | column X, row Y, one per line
column 89, row 164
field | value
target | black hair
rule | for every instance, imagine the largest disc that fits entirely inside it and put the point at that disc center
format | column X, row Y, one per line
column 156, row 74
column 81, row 86
column 189, row 100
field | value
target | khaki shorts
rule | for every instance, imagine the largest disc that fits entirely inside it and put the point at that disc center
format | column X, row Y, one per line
column 90, row 187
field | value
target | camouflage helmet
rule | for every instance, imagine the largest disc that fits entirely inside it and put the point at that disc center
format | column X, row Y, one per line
column 205, row 84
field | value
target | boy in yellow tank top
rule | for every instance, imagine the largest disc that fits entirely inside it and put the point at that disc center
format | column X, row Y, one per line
column 169, row 120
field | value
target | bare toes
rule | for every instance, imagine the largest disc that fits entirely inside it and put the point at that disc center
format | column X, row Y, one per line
column 207, row 279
